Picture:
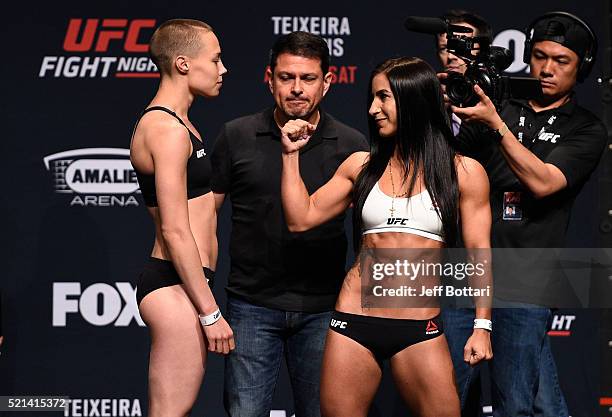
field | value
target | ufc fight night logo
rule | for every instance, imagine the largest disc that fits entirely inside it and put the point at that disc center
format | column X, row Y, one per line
column 88, row 40
column 561, row 325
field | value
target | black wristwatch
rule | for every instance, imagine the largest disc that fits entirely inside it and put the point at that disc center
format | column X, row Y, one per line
column 501, row 132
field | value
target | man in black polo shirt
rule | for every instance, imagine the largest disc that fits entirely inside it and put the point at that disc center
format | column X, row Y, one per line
column 538, row 154
column 282, row 286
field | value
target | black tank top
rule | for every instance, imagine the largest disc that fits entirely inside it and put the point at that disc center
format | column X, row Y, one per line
column 199, row 169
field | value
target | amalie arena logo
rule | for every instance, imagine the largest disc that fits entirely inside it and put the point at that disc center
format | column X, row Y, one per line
column 103, row 48
column 98, row 177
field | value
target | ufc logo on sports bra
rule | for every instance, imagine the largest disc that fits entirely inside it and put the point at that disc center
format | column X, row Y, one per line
column 338, row 323
column 391, row 221
column 546, row 136
column 200, row 153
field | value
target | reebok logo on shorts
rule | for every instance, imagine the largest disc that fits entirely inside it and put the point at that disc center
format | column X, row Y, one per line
column 431, row 328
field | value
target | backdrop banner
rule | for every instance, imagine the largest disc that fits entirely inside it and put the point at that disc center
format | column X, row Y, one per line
column 77, row 234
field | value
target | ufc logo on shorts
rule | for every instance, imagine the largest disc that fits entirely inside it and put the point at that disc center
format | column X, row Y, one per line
column 99, row 304
column 549, row 137
column 109, row 30
column 339, row 324
column 394, row 221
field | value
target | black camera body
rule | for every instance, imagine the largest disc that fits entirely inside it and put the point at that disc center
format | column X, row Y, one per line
column 460, row 87
column 484, row 68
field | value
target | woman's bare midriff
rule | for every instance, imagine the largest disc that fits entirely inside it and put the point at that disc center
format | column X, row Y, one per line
column 202, row 220
column 350, row 298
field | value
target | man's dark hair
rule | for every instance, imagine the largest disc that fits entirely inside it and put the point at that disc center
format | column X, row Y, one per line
column 301, row 44
column 457, row 16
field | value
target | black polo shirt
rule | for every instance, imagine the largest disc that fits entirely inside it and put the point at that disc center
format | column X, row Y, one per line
column 271, row 266
column 569, row 137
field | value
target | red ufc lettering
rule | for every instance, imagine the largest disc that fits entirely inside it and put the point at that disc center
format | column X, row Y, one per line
column 131, row 42
column 73, row 44
column 106, row 35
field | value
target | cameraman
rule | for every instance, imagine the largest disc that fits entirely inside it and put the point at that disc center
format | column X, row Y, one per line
column 451, row 62
column 459, row 322
column 538, row 154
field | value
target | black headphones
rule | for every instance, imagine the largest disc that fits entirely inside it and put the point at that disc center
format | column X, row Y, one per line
column 587, row 61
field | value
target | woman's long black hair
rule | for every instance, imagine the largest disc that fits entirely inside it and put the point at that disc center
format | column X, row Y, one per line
column 423, row 142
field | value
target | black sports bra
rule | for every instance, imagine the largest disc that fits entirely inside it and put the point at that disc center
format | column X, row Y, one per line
column 199, row 169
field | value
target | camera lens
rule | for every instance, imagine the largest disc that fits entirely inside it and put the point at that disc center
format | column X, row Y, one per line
column 460, row 90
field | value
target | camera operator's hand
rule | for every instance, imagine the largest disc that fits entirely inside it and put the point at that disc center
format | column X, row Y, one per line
column 442, row 76
column 483, row 112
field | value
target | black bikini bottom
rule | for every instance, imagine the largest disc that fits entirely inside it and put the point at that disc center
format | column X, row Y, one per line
column 385, row 337
column 159, row 273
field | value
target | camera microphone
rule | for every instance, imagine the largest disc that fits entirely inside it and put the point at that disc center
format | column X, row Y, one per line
column 431, row 25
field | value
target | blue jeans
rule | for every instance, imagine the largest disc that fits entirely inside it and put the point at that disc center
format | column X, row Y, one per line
column 458, row 327
column 263, row 337
column 523, row 371
column 549, row 400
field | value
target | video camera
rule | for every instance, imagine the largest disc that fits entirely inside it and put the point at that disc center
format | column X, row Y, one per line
column 484, row 68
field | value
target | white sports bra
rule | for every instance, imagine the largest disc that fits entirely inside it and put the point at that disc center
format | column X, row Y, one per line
column 416, row 215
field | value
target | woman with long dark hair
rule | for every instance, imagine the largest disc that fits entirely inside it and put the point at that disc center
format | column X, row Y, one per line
column 410, row 191
column 174, row 173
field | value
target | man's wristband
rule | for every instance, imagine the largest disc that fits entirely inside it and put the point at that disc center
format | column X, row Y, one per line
column 483, row 324
column 211, row 318
column 501, row 132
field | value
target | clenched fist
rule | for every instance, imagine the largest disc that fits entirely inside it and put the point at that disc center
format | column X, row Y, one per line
column 295, row 135
column 478, row 347
column 220, row 337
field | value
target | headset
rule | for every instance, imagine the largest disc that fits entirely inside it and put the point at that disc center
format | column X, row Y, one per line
column 587, row 61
